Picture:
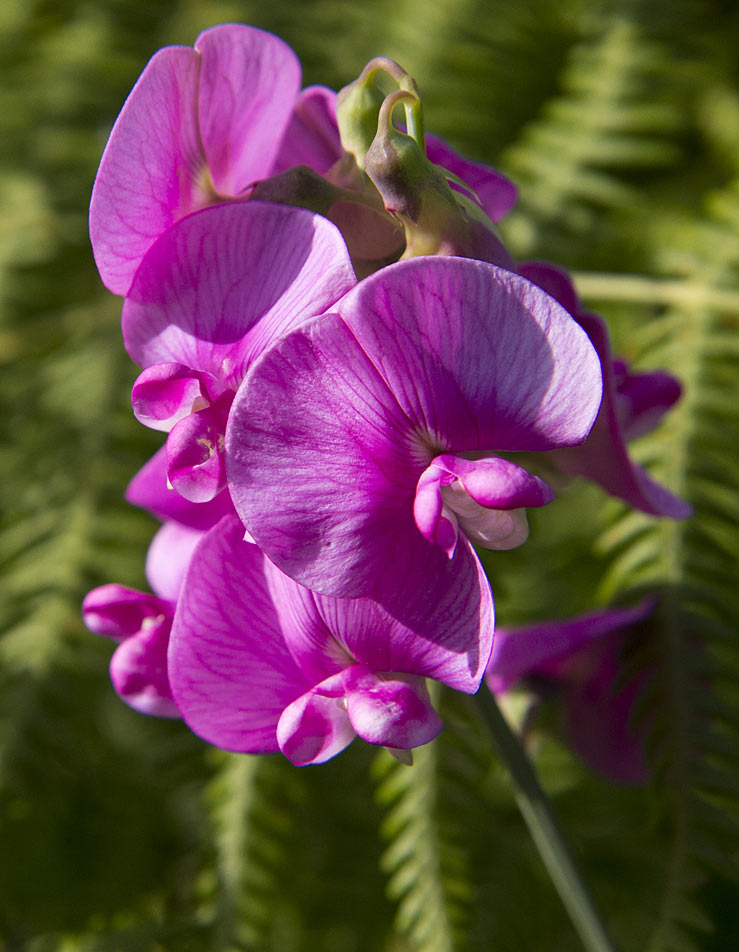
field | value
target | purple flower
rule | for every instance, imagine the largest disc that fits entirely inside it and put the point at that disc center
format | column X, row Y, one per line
column 633, row 404
column 258, row 663
column 198, row 128
column 360, row 443
column 141, row 622
column 204, row 124
column 581, row 660
column 210, row 294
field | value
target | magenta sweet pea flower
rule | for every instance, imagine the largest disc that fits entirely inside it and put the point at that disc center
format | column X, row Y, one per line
column 258, row 663
column 204, row 124
column 580, row 660
column 211, row 293
column 198, row 128
column 141, row 622
column 633, row 404
column 361, row 444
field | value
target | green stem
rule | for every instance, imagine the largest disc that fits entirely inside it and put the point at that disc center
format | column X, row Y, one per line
column 644, row 290
column 539, row 817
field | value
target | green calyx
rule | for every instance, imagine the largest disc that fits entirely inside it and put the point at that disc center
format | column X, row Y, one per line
column 380, row 156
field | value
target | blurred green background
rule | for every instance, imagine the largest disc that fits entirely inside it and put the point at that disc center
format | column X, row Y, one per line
column 620, row 123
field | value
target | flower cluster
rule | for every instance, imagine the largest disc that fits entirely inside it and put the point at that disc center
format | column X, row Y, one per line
column 343, row 356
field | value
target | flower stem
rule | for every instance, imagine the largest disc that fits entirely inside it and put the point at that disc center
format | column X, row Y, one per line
column 545, row 832
column 645, row 290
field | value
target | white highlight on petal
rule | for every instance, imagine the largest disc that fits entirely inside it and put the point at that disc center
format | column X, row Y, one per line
column 490, row 528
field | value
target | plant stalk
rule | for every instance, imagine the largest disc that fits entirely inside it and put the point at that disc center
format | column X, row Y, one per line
column 539, row 817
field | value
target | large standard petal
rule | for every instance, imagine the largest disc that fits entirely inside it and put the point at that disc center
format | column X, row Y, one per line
column 249, row 80
column 332, row 428
column 319, row 463
column 436, row 621
column 441, row 625
column 216, row 288
column 477, row 357
column 230, row 671
column 151, row 172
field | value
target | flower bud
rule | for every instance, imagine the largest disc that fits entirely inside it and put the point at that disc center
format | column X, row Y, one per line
column 436, row 220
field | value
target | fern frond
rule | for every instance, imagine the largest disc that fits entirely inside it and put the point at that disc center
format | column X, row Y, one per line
column 576, row 158
column 251, row 817
column 414, row 861
column 689, row 707
column 436, row 820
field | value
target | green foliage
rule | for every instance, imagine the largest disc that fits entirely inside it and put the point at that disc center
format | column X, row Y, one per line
column 620, row 123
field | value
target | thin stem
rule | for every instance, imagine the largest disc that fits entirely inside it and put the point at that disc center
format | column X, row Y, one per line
column 539, row 818
column 644, row 290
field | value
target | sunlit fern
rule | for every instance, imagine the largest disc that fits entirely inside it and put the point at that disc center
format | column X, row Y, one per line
column 610, row 120
column 691, row 703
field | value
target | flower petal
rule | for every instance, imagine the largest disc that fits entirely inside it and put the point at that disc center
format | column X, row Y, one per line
column 151, row 171
column 119, row 612
column 477, row 357
column 164, row 394
column 518, row 652
column 331, row 430
column 315, row 727
column 554, row 280
column 608, row 743
column 484, row 497
column 149, row 490
column 168, row 557
column 230, row 670
column 214, row 290
column 195, row 459
column 434, row 618
column 643, row 398
column 249, row 80
column 391, row 710
column 312, row 136
column 316, row 460
column 138, row 670
column 603, row 457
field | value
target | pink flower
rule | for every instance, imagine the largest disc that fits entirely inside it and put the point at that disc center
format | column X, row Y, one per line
column 204, row 124
column 258, row 663
column 581, row 660
column 633, row 404
column 141, row 622
column 359, row 444
column 211, row 293
column 199, row 126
